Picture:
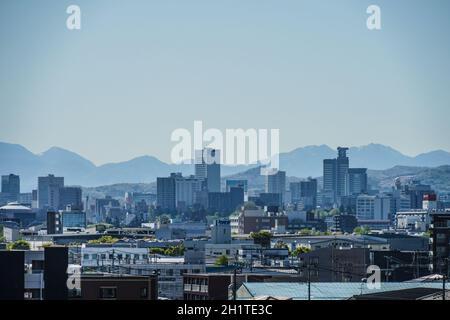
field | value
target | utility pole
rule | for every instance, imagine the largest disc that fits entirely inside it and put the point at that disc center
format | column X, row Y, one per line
column 443, row 287
column 309, row 280
column 234, row 283
column 113, row 256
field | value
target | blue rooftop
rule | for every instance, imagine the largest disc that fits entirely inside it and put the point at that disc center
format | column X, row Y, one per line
column 321, row 290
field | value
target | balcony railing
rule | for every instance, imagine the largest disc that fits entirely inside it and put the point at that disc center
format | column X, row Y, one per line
column 196, row 287
column 187, row 287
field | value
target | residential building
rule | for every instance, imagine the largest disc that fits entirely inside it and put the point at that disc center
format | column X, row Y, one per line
column 34, row 275
column 257, row 219
column 104, row 286
column 440, row 242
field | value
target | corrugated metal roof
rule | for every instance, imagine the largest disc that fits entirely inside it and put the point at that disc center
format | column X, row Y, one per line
column 324, row 290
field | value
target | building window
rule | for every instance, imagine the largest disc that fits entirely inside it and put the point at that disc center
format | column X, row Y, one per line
column 144, row 293
column 108, row 293
column 86, row 257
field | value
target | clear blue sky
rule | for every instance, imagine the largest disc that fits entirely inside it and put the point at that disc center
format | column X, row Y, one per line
column 140, row 69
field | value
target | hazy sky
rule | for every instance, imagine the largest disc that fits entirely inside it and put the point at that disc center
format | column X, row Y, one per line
column 137, row 70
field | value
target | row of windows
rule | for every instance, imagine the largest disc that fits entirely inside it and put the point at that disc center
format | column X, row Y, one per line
column 104, row 256
column 111, row 293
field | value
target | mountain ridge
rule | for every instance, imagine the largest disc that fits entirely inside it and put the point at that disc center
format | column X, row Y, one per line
column 300, row 162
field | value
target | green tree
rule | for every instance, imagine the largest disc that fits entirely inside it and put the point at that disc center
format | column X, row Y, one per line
column 281, row 245
column 221, row 261
column 160, row 251
column 261, row 237
column 172, row 251
column 19, row 245
column 300, row 250
column 101, row 227
column 306, row 232
column 104, row 239
column 361, row 230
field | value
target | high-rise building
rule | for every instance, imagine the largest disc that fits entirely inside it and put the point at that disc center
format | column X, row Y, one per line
column 357, row 181
column 342, row 165
column 207, row 167
column 185, row 191
column 49, row 191
column 276, row 183
column 70, row 196
column 295, row 189
column 329, row 179
column 308, row 193
column 166, row 191
column 11, row 186
column 335, row 176
column 373, row 207
column 225, row 202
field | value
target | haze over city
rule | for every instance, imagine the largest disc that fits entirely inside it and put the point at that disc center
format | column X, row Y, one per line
column 136, row 72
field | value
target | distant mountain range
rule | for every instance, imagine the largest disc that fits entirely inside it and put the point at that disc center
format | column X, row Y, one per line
column 301, row 162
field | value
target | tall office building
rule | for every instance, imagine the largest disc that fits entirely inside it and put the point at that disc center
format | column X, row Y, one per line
column 207, row 167
column 49, row 191
column 295, row 189
column 329, row 175
column 373, row 207
column 11, row 186
column 342, row 165
column 357, row 181
column 70, row 196
column 166, row 191
column 276, row 183
column 308, row 193
column 185, row 191
column 335, row 175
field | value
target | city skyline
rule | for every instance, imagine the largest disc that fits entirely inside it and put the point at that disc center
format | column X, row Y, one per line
column 132, row 81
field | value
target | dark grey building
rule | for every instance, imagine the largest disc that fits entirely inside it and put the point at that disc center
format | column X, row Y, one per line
column 335, row 174
column 48, row 192
column 70, row 196
column 165, row 192
column 440, row 242
column 11, row 186
column 357, row 181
